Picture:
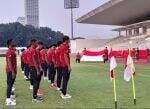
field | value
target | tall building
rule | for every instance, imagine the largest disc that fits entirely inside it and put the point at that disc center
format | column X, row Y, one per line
column 32, row 12
column 21, row 20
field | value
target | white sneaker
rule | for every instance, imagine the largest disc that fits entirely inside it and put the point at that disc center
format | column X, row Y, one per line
column 10, row 102
column 67, row 96
column 25, row 77
column 36, row 100
column 58, row 89
column 45, row 78
column 13, row 102
column 31, row 87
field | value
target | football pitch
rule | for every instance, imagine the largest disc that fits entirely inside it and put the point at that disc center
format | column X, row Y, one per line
column 89, row 86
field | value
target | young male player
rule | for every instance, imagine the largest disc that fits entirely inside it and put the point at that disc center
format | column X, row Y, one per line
column 58, row 66
column 34, row 69
column 65, row 64
column 25, row 63
column 43, row 54
column 26, row 66
column 39, row 59
column 51, row 67
column 11, row 70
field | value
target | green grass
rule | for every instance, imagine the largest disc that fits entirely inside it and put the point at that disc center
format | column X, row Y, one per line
column 90, row 87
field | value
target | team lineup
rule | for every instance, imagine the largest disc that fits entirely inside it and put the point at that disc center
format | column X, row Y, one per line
column 37, row 62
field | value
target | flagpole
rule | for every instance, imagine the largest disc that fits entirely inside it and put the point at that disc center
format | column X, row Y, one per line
column 133, row 81
column 133, row 86
column 115, row 92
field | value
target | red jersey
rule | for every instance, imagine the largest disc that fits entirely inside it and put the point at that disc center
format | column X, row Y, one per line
column 57, row 57
column 43, row 54
column 38, row 57
column 50, row 55
column 78, row 56
column 64, row 50
column 54, row 57
column 32, row 53
column 24, row 56
column 11, row 55
column 27, row 56
column 106, row 52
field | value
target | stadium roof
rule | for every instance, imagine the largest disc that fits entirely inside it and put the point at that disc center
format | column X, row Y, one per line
column 118, row 12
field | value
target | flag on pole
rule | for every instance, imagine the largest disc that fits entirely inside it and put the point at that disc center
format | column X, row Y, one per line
column 130, row 69
column 113, row 64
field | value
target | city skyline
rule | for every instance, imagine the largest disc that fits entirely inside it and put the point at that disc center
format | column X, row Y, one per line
column 61, row 20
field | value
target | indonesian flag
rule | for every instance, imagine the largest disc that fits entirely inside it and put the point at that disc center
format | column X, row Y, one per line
column 130, row 69
column 113, row 64
column 92, row 56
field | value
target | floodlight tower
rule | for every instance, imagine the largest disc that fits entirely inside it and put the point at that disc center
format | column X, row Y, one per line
column 71, row 4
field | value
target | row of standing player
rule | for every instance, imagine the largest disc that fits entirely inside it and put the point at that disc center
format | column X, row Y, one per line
column 35, row 61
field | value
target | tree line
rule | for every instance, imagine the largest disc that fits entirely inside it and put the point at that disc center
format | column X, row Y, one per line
column 23, row 34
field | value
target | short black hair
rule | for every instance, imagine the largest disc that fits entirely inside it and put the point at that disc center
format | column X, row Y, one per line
column 50, row 46
column 9, row 41
column 40, row 43
column 66, row 38
column 59, row 42
column 22, row 50
column 29, row 45
column 32, row 41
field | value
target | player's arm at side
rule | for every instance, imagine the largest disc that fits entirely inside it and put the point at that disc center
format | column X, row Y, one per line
column 67, row 61
column 46, row 57
column 53, row 60
column 10, row 65
column 35, row 62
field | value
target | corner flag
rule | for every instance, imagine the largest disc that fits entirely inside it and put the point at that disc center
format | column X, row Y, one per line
column 130, row 69
column 113, row 65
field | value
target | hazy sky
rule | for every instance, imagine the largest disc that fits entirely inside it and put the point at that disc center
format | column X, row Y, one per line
column 53, row 14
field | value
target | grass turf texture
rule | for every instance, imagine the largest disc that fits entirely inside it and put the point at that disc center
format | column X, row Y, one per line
column 90, row 87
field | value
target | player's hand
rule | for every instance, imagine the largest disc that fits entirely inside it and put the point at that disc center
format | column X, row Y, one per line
column 13, row 75
column 38, row 72
column 41, row 69
column 69, row 68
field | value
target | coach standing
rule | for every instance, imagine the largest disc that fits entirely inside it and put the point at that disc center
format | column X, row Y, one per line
column 65, row 64
column 11, row 70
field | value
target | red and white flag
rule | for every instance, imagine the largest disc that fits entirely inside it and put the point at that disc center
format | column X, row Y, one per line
column 92, row 56
column 113, row 65
column 130, row 69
